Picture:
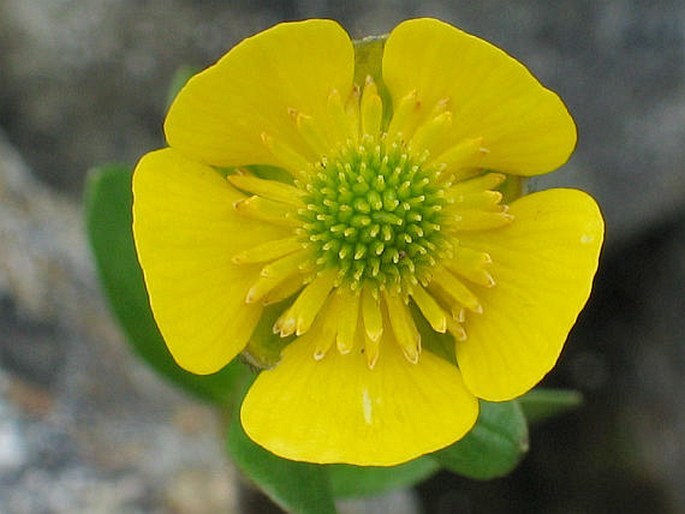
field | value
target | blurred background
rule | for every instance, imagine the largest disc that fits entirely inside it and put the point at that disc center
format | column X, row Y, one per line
column 84, row 427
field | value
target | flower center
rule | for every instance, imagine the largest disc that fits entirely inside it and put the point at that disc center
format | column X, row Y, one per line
column 373, row 212
column 371, row 228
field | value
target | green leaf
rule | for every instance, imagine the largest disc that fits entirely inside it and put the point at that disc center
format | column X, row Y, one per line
column 263, row 351
column 348, row 480
column 542, row 404
column 513, row 187
column 108, row 201
column 494, row 447
column 368, row 61
column 298, row 487
column 368, row 58
column 271, row 173
column 441, row 345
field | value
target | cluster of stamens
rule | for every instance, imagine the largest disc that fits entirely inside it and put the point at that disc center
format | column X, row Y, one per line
column 373, row 212
column 374, row 226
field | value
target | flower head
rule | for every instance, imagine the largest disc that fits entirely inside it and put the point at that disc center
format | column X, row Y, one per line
column 365, row 213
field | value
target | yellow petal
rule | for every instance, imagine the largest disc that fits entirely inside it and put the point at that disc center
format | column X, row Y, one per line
column 220, row 115
column 525, row 127
column 544, row 263
column 186, row 232
column 338, row 409
column 348, row 319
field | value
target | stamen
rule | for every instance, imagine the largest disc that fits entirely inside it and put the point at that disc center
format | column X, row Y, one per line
column 430, row 309
column 483, row 200
column 470, row 264
column 465, row 154
column 429, row 135
column 340, row 120
column 405, row 117
column 262, row 209
column 276, row 274
column 286, row 266
column 403, row 327
column 301, row 315
column 269, row 251
column 477, row 220
column 439, row 107
column 270, row 189
column 347, row 319
column 325, row 326
column 371, row 109
column 261, row 287
column 310, row 131
column 285, row 289
column 372, row 351
column 371, row 314
column 290, row 159
column 486, row 182
column 455, row 289
column 456, row 329
column 352, row 111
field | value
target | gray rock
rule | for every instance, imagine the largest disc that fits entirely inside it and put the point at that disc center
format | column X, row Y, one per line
column 85, row 82
column 13, row 452
column 84, row 427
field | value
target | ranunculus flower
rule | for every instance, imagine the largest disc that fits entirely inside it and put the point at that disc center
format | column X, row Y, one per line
column 369, row 212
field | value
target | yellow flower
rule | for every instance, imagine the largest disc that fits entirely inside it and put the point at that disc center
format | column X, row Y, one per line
column 374, row 217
